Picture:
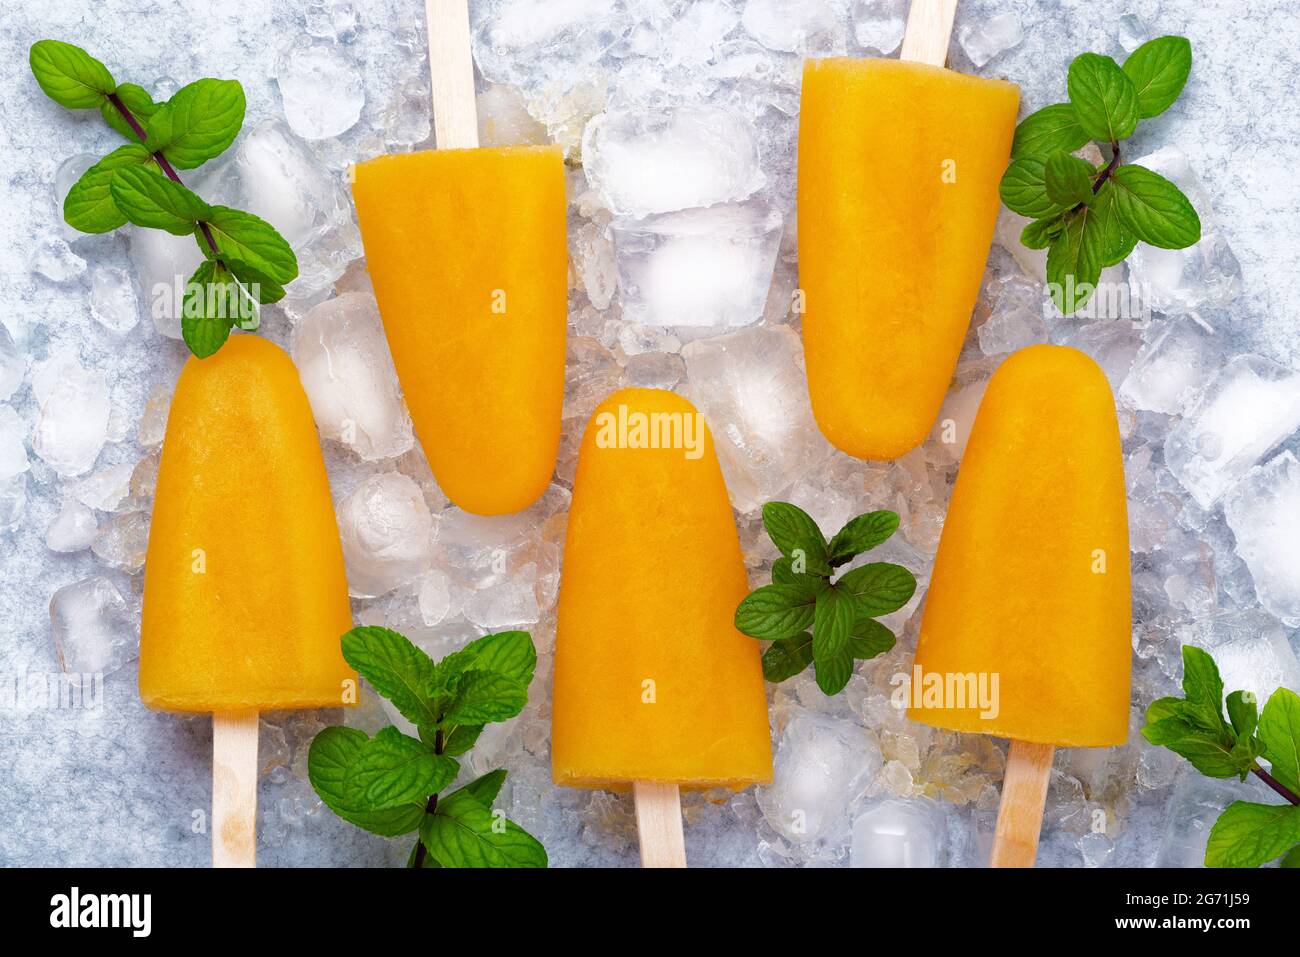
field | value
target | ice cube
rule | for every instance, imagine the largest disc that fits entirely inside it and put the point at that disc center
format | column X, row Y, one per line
column 1171, row 367
column 347, row 371
column 753, row 392
column 13, row 365
column 878, row 24
column 55, row 260
column 106, row 489
column 898, row 833
column 510, row 601
column 72, row 424
column 504, row 120
column 820, row 766
column 163, row 264
column 808, row 27
column 153, row 421
column 331, row 19
column 113, row 299
column 1016, row 317
column 987, row 37
column 657, row 161
column 1196, row 805
column 321, row 90
column 1263, row 511
column 121, row 542
column 1246, row 410
column 73, row 529
column 272, row 175
column 91, row 627
column 653, row 370
column 13, row 443
column 434, row 596
column 1133, row 32
column 957, row 417
column 1176, row 281
column 407, row 119
column 593, row 259
column 1251, row 650
column 387, row 534
column 635, row 339
column 700, row 267
column 532, row 42
column 13, row 501
column 1112, row 343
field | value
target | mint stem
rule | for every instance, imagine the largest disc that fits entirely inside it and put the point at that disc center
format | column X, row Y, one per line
column 1275, row 784
column 161, row 160
column 430, row 807
column 1110, row 168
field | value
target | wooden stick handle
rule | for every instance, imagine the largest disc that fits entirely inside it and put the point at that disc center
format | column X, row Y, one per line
column 451, row 74
column 659, row 822
column 234, row 789
column 929, row 27
column 1020, row 817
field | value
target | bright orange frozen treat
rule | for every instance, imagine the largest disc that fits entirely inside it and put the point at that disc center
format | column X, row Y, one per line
column 245, row 598
column 899, row 165
column 1031, row 582
column 652, row 681
column 467, row 251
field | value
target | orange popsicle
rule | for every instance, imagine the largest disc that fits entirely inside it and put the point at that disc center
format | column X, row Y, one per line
column 899, row 166
column 245, row 597
column 652, row 681
column 467, row 251
column 1026, row 629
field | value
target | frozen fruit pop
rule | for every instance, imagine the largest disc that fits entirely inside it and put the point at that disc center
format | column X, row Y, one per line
column 1031, row 581
column 467, row 251
column 899, row 164
column 245, row 597
column 654, row 687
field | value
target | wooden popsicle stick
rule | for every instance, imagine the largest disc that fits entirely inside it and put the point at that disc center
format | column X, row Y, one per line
column 659, row 823
column 451, row 74
column 1020, row 816
column 929, row 27
column 234, row 789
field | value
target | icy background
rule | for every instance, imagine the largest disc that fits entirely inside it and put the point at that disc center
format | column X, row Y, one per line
column 679, row 122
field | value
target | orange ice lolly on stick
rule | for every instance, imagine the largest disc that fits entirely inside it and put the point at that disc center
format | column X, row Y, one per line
column 1031, row 582
column 467, row 251
column 245, row 596
column 899, row 163
column 654, row 687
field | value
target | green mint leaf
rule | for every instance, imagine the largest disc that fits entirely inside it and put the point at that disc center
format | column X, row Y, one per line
column 147, row 198
column 1159, row 69
column 484, row 789
column 878, row 588
column 89, row 205
column 198, row 122
column 1203, row 688
column 485, row 696
column 1243, row 714
column 834, row 671
column 397, row 669
column 1104, row 98
column 1248, row 835
column 1114, row 241
column 1040, row 233
column 257, row 284
column 783, row 572
column 1074, row 262
column 794, row 532
column 1154, row 209
column 1279, row 734
column 869, row 639
column 1292, row 858
column 1163, row 708
column 1045, row 131
column 1068, row 179
column 69, row 75
column 392, row 769
column 252, row 241
column 508, row 653
column 460, row 738
column 1209, row 752
column 210, row 309
column 136, row 99
column 464, row 833
column 862, row 534
column 1023, row 189
column 337, row 752
column 833, row 620
column 774, row 612
column 788, row 657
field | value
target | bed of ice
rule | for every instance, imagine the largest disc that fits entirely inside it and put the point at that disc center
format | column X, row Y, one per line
column 679, row 121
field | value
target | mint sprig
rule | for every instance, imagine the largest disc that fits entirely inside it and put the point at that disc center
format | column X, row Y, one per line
column 1090, row 217
column 390, row 784
column 814, row 620
column 247, row 262
column 1246, row 834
